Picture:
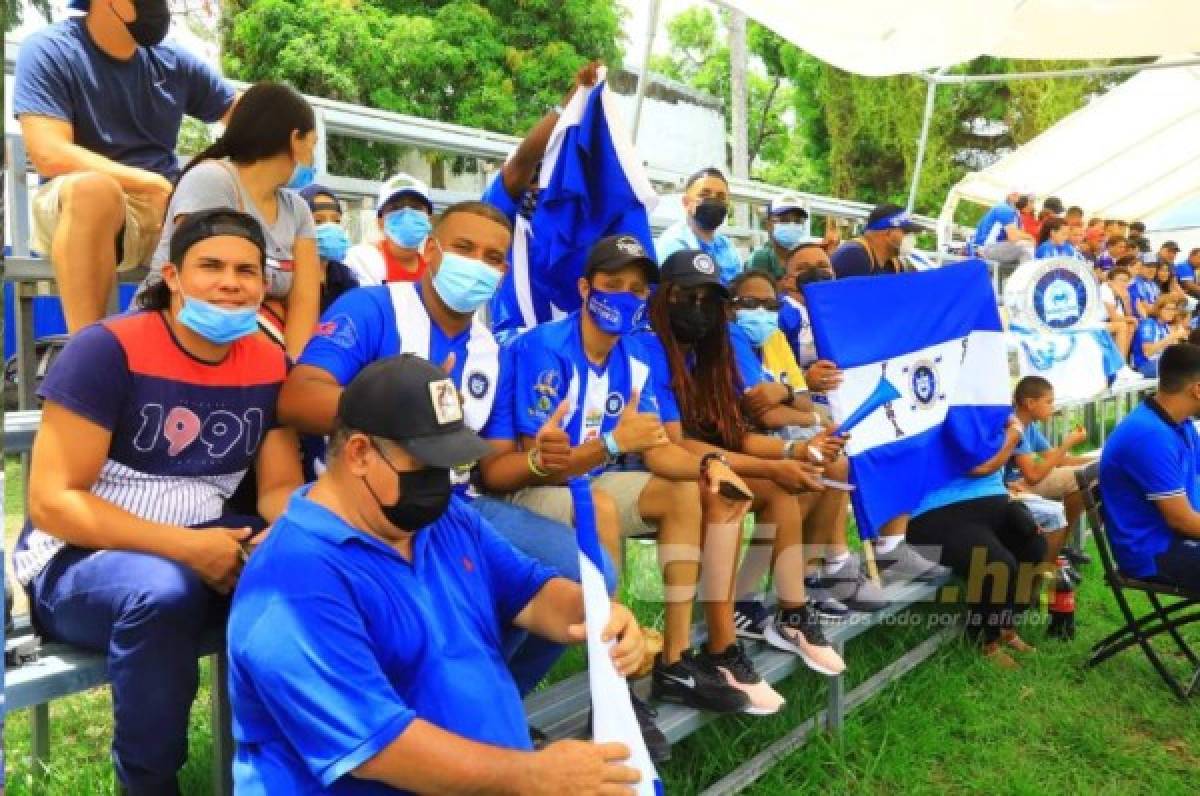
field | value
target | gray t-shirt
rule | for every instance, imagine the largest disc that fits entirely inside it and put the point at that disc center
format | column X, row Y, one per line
column 214, row 183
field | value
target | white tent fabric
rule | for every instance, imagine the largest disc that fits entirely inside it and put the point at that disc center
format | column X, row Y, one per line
column 883, row 37
column 1132, row 153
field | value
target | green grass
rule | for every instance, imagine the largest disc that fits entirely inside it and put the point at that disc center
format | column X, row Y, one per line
column 955, row 725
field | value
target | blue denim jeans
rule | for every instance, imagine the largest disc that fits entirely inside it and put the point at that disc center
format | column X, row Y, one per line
column 148, row 615
column 553, row 544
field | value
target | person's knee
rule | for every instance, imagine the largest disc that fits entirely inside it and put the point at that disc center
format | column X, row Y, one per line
column 168, row 595
column 95, row 196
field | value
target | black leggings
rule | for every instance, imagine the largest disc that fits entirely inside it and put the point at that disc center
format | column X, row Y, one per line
column 985, row 541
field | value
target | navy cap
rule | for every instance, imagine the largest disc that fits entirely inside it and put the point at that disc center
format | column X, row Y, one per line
column 691, row 268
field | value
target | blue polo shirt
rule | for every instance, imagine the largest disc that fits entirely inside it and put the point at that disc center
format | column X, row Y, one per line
column 337, row 643
column 1149, row 330
column 1147, row 458
column 991, row 228
column 1184, row 271
column 681, row 236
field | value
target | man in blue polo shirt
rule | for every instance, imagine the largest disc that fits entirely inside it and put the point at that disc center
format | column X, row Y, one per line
column 364, row 638
column 706, row 203
column 1148, row 478
column 100, row 99
column 435, row 319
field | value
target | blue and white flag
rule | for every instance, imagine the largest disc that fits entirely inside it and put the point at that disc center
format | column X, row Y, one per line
column 613, row 719
column 592, row 185
column 926, row 378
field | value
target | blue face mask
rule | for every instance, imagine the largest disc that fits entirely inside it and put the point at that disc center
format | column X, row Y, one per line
column 407, row 228
column 332, row 241
column 617, row 312
column 789, row 235
column 302, row 176
column 217, row 324
column 465, row 284
column 758, row 324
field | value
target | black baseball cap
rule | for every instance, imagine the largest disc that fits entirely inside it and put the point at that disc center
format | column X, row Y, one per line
column 410, row 401
column 889, row 216
column 690, row 268
column 1053, row 204
column 619, row 251
column 205, row 224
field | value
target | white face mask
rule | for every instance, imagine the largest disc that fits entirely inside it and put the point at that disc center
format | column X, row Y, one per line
column 908, row 245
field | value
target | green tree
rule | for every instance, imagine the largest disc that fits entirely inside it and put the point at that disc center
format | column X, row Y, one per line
column 14, row 12
column 493, row 64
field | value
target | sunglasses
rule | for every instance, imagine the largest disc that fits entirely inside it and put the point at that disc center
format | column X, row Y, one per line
column 751, row 303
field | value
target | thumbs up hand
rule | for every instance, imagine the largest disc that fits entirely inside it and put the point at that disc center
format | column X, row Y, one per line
column 638, row 431
column 552, row 446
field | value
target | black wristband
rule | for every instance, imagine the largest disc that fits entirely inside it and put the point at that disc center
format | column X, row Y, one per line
column 791, row 399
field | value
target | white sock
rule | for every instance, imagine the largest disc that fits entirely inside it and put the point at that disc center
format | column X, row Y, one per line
column 886, row 544
column 834, row 563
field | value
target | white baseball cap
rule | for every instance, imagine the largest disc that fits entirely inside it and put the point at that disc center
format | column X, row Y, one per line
column 403, row 183
column 786, row 202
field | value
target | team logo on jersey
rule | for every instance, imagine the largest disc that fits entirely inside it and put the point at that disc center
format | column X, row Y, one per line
column 549, row 383
column 924, row 383
column 339, row 330
column 478, row 384
column 614, row 404
column 447, row 407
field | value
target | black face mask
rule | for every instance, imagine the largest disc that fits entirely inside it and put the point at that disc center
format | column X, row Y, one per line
column 812, row 275
column 692, row 322
column 424, row 495
column 153, row 21
column 710, row 214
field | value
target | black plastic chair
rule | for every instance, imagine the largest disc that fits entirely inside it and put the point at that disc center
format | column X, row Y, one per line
column 1139, row 630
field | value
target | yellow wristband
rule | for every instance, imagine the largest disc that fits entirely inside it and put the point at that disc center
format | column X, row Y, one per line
column 533, row 467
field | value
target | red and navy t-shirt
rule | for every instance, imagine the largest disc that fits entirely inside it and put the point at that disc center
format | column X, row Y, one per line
column 184, row 431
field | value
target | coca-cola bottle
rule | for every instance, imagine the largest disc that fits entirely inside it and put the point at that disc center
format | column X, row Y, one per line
column 1062, row 604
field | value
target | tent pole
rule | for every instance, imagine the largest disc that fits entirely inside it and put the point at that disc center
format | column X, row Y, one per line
column 644, row 76
column 926, row 122
column 1049, row 73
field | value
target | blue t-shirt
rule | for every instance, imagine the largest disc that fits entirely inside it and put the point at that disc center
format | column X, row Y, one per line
column 1048, row 249
column 128, row 111
column 1147, row 458
column 681, row 236
column 962, row 489
column 550, row 366
column 1149, row 330
column 337, row 643
column 1184, row 271
column 1144, row 289
column 1032, row 441
column 991, row 228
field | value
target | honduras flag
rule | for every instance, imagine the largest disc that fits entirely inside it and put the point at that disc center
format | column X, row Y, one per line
column 926, row 390
column 612, row 712
column 592, row 185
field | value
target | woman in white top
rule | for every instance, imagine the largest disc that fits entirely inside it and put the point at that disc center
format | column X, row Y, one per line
column 257, row 166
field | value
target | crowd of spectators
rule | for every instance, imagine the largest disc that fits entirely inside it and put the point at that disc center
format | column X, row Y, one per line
column 331, row 437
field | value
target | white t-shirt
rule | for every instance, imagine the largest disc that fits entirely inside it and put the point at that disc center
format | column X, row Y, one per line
column 1107, row 296
column 365, row 260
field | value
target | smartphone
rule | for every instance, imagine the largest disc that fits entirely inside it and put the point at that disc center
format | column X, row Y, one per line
column 731, row 491
column 842, row 485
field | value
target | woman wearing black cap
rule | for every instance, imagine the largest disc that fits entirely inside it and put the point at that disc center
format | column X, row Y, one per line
column 695, row 361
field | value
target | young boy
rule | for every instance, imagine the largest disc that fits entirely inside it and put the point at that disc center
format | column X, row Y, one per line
column 1043, row 475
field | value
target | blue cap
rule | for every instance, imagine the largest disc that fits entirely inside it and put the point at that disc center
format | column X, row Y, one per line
column 889, row 216
column 80, row 5
column 309, row 194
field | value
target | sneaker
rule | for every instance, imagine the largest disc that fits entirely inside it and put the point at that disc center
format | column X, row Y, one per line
column 750, row 618
column 849, row 585
column 689, row 682
column 657, row 745
column 1077, row 558
column 799, row 631
column 822, row 599
column 738, row 671
column 905, row 564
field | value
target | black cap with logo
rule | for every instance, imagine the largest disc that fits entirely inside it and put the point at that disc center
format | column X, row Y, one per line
column 410, row 401
column 618, row 251
column 690, row 268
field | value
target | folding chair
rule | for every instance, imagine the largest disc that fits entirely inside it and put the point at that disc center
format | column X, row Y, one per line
column 1139, row 630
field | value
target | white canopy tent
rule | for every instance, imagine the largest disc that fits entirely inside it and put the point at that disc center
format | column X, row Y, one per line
column 879, row 37
column 882, row 37
column 1132, row 153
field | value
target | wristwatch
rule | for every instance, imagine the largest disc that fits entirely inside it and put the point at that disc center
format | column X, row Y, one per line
column 710, row 456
